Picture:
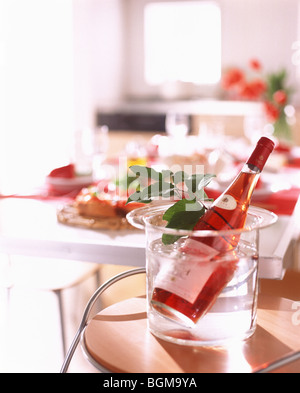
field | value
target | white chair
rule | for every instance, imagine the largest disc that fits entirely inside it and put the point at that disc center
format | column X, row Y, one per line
column 48, row 275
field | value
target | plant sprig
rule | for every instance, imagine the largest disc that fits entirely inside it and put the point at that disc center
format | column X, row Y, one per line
column 186, row 190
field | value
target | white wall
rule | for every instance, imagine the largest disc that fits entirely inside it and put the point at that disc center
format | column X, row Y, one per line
column 98, row 56
column 265, row 29
column 62, row 59
column 58, row 60
column 109, row 46
column 36, row 99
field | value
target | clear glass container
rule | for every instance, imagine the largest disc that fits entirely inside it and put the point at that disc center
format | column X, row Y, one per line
column 196, row 295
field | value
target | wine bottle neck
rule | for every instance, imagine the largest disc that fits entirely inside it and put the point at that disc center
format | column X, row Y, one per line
column 250, row 168
column 260, row 154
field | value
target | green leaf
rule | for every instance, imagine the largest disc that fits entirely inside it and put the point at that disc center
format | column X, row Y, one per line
column 163, row 189
column 205, row 180
column 184, row 214
column 167, row 173
column 197, row 182
column 158, row 189
column 144, row 171
column 179, row 177
column 150, row 173
column 134, row 197
column 182, row 206
column 202, row 196
column 125, row 182
column 275, row 82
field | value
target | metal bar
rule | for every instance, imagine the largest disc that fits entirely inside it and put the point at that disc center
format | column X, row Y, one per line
column 292, row 357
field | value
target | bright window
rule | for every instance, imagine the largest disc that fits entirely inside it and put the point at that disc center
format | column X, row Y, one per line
column 182, row 42
column 36, row 90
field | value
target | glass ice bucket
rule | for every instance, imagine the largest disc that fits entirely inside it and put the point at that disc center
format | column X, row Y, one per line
column 195, row 294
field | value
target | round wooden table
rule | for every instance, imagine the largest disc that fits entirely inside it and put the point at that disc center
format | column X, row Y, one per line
column 118, row 339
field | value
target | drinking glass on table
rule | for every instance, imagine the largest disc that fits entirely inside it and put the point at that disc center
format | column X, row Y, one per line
column 101, row 145
column 177, row 127
column 83, row 151
column 255, row 126
column 177, row 124
column 211, row 142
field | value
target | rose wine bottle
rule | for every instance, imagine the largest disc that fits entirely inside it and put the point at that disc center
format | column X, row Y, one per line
column 228, row 212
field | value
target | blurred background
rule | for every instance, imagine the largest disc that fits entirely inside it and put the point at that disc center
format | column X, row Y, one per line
column 69, row 65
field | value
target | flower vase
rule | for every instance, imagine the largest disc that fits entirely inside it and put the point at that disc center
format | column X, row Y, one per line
column 282, row 127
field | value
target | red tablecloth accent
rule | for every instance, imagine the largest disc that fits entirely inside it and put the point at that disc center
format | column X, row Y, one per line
column 294, row 163
column 44, row 193
column 281, row 202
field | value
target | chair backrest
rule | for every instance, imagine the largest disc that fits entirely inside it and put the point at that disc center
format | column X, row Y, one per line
column 88, row 309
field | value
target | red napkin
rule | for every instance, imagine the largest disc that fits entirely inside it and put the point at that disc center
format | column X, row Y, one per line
column 294, row 163
column 281, row 202
column 66, row 172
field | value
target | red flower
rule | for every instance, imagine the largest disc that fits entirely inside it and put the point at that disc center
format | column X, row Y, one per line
column 253, row 90
column 260, row 86
column 280, row 97
column 232, row 78
column 247, row 91
column 272, row 111
column 255, row 65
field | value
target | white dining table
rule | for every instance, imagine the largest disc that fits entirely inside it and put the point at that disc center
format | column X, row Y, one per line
column 30, row 227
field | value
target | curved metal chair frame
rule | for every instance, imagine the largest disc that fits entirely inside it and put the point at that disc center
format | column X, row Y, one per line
column 266, row 368
column 86, row 315
column 290, row 358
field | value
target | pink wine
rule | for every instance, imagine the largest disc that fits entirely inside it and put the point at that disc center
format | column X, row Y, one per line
column 228, row 212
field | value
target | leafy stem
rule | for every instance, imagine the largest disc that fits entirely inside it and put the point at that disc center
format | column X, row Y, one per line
column 187, row 192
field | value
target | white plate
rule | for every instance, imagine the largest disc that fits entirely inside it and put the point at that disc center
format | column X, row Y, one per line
column 64, row 184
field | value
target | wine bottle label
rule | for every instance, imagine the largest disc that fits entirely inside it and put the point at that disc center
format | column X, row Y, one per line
column 227, row 202
column 187, row 277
